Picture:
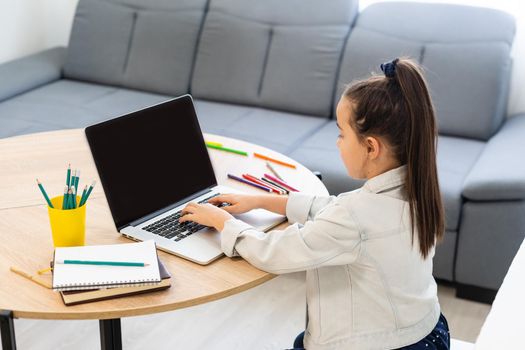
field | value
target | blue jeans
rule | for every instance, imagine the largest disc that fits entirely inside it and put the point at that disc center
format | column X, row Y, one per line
column 438, row 339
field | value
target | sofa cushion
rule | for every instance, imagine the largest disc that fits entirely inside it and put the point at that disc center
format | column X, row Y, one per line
column 143, row 45
column 499, row 173
column 279, row 131
column 465, row 52
column 455, row 158
column 275, row 54
column 68, row 104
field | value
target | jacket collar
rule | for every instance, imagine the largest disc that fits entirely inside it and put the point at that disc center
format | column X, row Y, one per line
column 387, row 180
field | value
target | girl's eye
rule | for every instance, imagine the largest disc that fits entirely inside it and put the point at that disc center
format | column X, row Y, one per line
column 339, row 136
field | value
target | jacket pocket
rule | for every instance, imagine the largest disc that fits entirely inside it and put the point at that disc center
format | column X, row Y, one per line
column 335, row 304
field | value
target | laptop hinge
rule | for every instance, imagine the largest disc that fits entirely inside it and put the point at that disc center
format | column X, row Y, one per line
column 165, row 209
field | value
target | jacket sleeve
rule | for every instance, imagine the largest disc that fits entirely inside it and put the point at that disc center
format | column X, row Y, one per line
column 332, row 238
column 302, row 207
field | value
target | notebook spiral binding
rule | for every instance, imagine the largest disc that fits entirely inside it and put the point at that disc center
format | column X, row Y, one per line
column 110, row 284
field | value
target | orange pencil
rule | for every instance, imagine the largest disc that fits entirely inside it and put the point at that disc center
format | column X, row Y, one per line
column 258, row 155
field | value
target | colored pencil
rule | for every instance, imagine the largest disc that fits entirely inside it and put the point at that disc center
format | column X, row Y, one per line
column 87, row 194
column 281, row 182
column 108, row 263
column 258, row 181
column 264, row 188
column 64, row 199
column 275, row 184
column 227, row 149
column 68, row 178
column 76, row 182
column 269, row 166
column 30, row 277
column 44, row 193
column 73, row 198
column 83, row 195
column 218, row 144
column 258, row 155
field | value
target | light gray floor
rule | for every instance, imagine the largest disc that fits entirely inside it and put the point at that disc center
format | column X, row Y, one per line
column 266, row 317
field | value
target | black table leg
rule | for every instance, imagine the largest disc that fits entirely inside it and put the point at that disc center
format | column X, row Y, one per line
column 110, row 334
column 8, row 330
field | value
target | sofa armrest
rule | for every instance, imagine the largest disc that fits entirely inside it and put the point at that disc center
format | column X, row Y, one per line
column 27, row 73
column 499, row 173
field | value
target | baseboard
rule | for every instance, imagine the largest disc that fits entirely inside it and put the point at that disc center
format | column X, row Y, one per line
column 475, row 293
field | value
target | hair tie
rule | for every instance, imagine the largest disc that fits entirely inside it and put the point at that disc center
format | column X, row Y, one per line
column 389, row 68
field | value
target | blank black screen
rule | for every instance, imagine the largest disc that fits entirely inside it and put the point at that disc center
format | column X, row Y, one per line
column 150, row 159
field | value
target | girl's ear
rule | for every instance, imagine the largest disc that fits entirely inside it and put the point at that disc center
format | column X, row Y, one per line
column 372, row 147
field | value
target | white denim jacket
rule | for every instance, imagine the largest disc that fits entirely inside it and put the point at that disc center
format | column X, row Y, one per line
column 367, row 285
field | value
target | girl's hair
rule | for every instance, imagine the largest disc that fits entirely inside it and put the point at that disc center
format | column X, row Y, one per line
column 398, row 108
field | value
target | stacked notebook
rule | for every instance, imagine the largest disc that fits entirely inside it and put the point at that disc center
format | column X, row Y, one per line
column 79, row 277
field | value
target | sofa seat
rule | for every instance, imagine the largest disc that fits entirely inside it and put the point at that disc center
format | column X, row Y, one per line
column 280, row 131
column 68, row 104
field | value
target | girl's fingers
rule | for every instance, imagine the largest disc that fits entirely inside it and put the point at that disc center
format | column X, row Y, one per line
column 187, row 217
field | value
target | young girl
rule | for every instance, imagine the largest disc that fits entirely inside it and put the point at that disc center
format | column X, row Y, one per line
column 367, row 253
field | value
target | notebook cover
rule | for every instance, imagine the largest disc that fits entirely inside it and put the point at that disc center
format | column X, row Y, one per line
column 74, row 297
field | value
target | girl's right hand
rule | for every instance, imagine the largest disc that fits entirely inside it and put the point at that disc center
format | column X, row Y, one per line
column 239, row 203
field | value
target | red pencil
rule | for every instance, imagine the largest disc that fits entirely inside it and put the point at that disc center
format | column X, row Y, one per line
column 259, row 182
column 280, row 182
column 281, row 190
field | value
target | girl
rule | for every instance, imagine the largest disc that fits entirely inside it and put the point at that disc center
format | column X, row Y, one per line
column 367, row 253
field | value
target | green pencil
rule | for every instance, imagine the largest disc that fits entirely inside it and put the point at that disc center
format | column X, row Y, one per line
column 87, row 194
column 83, row 196
column 77, row 179
column 68, row 178
column 44, row 193
column 64, row 199
column 109, row 263
column 227, row 149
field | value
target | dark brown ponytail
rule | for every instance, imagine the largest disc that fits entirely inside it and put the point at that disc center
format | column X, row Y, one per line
column 398, row 107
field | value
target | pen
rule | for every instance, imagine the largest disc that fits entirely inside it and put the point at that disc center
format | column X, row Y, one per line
column 280, row 182
column 258, row 155
column 44, row 270
column 269, row 166
column 107, row 263
column 258, row 181
column 226, row 149
column 44, row 193
column 264, row 188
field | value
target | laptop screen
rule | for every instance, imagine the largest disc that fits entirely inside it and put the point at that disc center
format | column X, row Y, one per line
column 150, row 159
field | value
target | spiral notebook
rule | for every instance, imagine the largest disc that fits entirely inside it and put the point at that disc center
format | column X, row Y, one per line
column 80, row 277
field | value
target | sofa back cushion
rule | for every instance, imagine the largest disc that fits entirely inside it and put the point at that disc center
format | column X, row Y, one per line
column 146, row 45
column 281, row 54
column 465, row 52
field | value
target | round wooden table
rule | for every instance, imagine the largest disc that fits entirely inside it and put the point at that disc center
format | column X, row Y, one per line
column 26, row 236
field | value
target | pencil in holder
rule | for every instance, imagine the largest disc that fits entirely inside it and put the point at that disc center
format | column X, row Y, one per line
column 68, row 227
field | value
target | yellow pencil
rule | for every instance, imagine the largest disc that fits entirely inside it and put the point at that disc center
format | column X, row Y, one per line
column 31, row 278
column 44, row 270
column 218, row 144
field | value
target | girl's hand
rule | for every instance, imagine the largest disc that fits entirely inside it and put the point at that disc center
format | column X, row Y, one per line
column 205, row 214
column 239, row 203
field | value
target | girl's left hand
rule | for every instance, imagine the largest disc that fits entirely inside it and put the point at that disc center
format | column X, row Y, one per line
column 205, row 214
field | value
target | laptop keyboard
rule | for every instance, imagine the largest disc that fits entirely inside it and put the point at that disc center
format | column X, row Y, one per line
column 170, row 227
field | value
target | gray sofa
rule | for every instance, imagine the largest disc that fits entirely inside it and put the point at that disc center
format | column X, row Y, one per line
column 271, row 72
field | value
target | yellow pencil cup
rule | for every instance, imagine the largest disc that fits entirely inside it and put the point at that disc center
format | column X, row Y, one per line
column 68, row 227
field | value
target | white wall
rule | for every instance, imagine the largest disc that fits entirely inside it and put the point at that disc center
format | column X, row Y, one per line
column 29, row 26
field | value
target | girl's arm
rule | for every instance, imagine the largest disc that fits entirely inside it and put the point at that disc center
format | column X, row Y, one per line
column 273, row 202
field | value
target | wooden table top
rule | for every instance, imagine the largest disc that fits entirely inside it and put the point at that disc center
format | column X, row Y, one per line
column 26, row 234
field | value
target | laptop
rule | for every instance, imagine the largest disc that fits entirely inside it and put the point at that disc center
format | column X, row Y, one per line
column 151, row 163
